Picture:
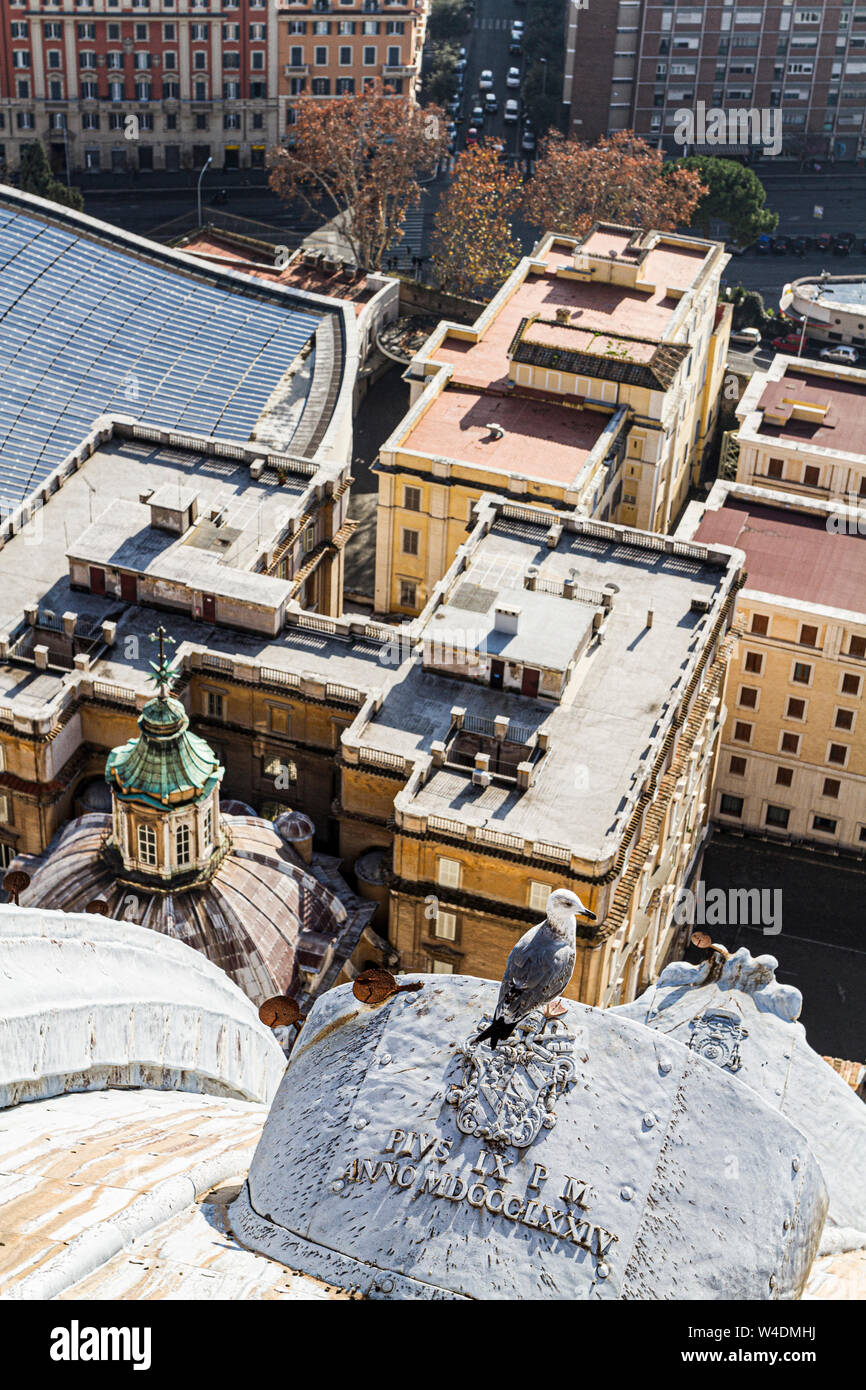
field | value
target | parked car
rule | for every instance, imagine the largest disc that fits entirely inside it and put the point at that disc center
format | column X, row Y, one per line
column 844, row 243
column 527, row 144
column 800, row 245
column 762, row 245
column 452, row 138
column 472, row 136
column 789, row 343
column 512, row 112
column 845, row 356
column 490, row 102
column 517, row 27
column 780, row 245
column 485, row 81
column 516, row 44
column 477, row 117
column 746, row 337
column 823, row 241
column 453, row 107
column 513, row 78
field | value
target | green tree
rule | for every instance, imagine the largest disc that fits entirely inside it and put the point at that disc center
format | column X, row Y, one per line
column 447, row 20
column 474, row 248
column 440, row 81
column 735, row 196
column 35, row 176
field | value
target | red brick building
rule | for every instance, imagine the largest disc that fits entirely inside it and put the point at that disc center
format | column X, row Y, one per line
column 632, row 64
column 138, row 84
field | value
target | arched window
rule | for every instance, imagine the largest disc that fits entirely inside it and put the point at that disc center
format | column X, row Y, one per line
column 207, row 829
column 181, row 840
column 147, row 844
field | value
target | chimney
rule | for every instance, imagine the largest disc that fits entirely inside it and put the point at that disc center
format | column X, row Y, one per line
column 649, row 617
column 524, row 775
column 437, row 752
column 506, row 618
column 69, row 621
column 500, row 726
column 40, row 656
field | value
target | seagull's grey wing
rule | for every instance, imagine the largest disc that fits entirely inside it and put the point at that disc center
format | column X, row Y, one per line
column 539, row 967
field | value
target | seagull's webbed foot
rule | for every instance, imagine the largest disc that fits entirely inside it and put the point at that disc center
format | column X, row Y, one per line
column 555, row 1009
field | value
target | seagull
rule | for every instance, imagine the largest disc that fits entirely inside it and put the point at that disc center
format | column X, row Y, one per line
column 539, row 966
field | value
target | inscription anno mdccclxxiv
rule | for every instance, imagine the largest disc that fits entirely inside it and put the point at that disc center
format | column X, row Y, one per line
column 565, row 1221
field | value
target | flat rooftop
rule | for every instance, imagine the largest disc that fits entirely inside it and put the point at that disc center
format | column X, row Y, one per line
column 594, row 306
column 542, row 439
column 791, row 554
column 842, row 401
column 94, row 320
column 611, row 710
column 839, row 294
column 244, row 253
column 34, row 565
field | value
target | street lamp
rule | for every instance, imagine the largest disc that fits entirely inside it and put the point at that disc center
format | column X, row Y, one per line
column 200, row 177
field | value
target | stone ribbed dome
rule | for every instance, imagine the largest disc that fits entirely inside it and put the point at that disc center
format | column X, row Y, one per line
column 250, row 917
column 167, row 765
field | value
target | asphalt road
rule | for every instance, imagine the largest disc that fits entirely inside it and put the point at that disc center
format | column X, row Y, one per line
column 487, row 47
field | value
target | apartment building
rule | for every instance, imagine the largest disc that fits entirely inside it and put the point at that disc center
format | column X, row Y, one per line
column 793, row 756
column 129, row 85
column 330, row 48
column 590, row 381
column 557, row 726
column 801, row 430
column 632, row 64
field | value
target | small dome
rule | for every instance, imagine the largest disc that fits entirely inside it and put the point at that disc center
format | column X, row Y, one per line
column 374, row 866
column 293, row 826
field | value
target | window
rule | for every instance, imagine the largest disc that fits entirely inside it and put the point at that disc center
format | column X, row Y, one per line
column 754, row 663
column 737, row 767
column 844, row 719
column 831, row 787
column 410, row 542
column 7, row 854
column 182, row 846
column 784, row 776
column 369, row 57
column 441, row 967
column 802, row 673
column 412, row 499
column 837, row 753
column 141, row 33
column 760, row 624
column 345, row 56
column 857, row 646
column 775, row 468
column 748, row 696
column 811, row 476
column 309, row 540
column 796, row 709
column 850, row 684
column 731, row 805
column 824, row 824
column 199, row 59
column 446, row 926
column 777, row 816
column 147, row 844
column 213, row 704
column 231, row 60
column 742, row 732
column 87, row 31
column 789, row 743
column 320, row 57
column 232, row 120
column 808, row 635
column 538, row 895
column 207, row 829
column 448, row 872
column 279, row 719
column 115, row 59
column 408, row 594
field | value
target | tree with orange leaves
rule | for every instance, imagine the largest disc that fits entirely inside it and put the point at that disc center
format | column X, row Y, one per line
column 620, row 179
column 474, row 249
column 361, row 157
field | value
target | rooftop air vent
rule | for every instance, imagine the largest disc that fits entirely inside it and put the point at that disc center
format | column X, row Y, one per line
column 497, row 431
column 700, row 604
column 506, row 618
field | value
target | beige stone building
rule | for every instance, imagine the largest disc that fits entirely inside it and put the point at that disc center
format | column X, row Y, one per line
column 590, row 382
column 801, row 430
column 793, row 757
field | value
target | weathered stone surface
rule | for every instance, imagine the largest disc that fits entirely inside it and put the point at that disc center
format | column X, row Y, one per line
column 736, row 1015
column 592, row 1159
column 86, row 1002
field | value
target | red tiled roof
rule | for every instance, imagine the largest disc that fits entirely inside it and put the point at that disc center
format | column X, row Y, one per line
column 791, row 554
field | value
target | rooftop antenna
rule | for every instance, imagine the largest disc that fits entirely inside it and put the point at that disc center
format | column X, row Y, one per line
column 164, row 673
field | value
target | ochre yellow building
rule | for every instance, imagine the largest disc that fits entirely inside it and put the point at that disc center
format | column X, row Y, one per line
column 590, row 383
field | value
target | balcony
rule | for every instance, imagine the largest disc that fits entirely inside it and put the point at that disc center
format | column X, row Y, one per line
column 408, row 70
column 296, row 70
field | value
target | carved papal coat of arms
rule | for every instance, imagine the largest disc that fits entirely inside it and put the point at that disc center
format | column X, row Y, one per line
column 508, row 1094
